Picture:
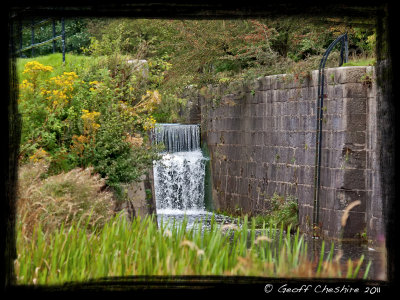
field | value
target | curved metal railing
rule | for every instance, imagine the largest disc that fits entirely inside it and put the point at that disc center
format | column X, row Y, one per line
column 320, row 103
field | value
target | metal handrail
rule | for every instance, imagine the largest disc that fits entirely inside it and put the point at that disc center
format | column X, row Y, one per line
column 53, row 39
column 39, row 44
column 320, row 102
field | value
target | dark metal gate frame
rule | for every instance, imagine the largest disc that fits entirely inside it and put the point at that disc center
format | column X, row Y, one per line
column 34, row 45
column 320, row 103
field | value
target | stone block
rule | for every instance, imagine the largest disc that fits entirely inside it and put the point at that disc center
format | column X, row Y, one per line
column 245, row 110
column 229, row 138
column 283, row 95
column 306, row 93
column 235, row 111
column 268, row 138
column 294, row 94
column 309, row 175
column 327, row 139
column 350, row 74
column 314, row 78
column 135, row 193
column 293, row 123
column 246, row 124
column 354, row 158
column 259, row 138
column 274, row 96
column 327, row 175
column 310, row 138
column 248, row 137
column 305, row 217
column 356, row 122
column 354, row 90
column 327, row 198
column 355, row 105
column 260, row 110
column 258, row 124
column 268, row 97
column 300, row 156
column 335, row 123
column 335, row 92
column 354, row 179
column 344, row 197
column 242, row 185
column 258, row 154
column 303, row 108
column 355, row 225
column 303, row 125
column 265, row 83
column 231, row 186
column 251, row 169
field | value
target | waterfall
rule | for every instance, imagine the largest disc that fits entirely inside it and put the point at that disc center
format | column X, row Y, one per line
column 179, row 175
column 177, row 137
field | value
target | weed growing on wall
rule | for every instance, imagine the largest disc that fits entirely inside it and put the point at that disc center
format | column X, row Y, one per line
column 283, row 211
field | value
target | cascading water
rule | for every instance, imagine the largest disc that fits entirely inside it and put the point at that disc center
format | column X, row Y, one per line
column 177, row 137
column 179, row 175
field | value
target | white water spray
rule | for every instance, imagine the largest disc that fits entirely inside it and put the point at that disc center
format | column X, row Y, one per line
column 179, row 175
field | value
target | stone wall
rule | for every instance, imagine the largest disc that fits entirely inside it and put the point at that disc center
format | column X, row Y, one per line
column 138, row 197
column 261, row 138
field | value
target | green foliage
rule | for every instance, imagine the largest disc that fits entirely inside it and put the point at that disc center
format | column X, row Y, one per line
column 113, row 156
column 101, row 121
column 360, row 62
column 77, row 36
column 74, row 254
column 282, row 212
column 138, row 37
column 182, row 53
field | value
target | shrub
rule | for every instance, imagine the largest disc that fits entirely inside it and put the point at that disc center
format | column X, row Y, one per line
column 61, row 199
column 118, row 156
column 76, row 123
column 282, row 212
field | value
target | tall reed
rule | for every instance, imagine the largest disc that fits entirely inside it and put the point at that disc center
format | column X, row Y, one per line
column 140, row 247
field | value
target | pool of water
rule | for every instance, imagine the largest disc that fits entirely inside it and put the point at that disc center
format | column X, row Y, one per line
column 168, row 216
column 348, row 250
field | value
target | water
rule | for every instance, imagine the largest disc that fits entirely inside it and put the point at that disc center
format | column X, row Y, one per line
column 179, row 175
column 179, row 192
column 177, row 137
column 179, row 182
column 354, row 251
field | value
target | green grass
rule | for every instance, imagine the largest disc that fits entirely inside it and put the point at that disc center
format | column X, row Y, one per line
column 121, row 248
column 360, row 62
column 72, row 63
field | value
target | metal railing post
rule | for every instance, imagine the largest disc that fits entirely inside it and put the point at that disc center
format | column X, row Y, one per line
column 54, row 35
column 32, row 36
column 63, row 38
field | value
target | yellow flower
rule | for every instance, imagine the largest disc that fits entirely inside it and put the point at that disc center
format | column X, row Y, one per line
column 34, row 66
column 89, row 120
column 26, row 85
column 38, row 155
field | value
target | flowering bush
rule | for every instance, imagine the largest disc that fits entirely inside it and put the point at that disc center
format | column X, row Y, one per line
column 71, row 122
